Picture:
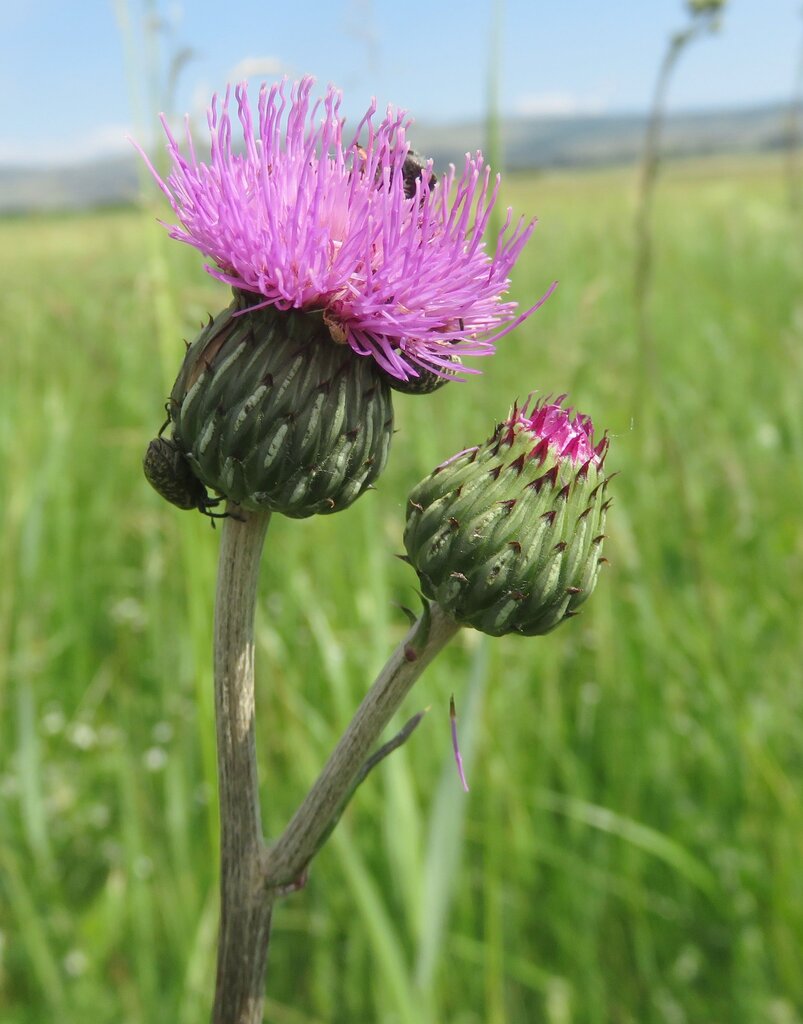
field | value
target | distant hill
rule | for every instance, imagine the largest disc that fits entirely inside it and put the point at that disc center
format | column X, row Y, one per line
column 542, row 143
column 72, row 187
column 529, row 143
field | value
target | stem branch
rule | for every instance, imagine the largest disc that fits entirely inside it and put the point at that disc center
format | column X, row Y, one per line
column 287, row 858
column 252, row 875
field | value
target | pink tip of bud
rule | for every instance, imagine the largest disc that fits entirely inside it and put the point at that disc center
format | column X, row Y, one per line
column 570, row 436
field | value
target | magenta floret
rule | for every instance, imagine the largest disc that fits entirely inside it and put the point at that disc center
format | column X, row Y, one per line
column 312, row 222
column 569, row 436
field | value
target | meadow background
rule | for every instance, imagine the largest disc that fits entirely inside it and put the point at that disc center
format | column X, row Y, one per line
column 631, row 847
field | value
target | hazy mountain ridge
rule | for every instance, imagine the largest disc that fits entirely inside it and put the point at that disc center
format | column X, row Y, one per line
column 539, row 143
column 529, row 143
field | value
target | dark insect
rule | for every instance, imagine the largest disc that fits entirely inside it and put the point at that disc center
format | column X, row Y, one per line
column 170, row 474
column 413, row 168
column 425, row 383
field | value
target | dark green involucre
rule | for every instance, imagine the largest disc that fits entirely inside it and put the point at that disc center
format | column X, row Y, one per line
column 507, row 537
column 271, row 413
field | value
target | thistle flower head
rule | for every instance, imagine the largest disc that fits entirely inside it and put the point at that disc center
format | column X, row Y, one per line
column 507, row 536
column 357, row 228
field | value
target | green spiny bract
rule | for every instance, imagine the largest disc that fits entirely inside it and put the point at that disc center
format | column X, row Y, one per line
column 273, row 414
column 507, row 537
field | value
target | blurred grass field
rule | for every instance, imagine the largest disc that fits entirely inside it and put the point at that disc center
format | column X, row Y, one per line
column 631, row 847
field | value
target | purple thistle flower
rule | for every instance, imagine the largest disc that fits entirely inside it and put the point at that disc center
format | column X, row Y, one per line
column 309, row 221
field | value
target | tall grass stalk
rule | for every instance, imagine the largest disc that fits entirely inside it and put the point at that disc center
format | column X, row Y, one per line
column 795, row 137
column 493, row 147
column 648, row 375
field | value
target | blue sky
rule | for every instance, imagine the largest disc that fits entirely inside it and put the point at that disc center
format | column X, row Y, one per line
column 73, row 78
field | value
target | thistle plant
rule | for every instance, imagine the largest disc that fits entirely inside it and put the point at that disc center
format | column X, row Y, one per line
column 356, row 271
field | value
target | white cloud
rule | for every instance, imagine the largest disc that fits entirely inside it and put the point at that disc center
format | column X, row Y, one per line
column 560, row 104
column 257, row 68
column 253, row 69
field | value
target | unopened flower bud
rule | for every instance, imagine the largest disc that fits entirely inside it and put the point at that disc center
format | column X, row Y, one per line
column 507, row 537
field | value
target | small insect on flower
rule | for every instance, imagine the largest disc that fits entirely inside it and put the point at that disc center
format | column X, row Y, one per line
column 170, row 474
column 413, row 168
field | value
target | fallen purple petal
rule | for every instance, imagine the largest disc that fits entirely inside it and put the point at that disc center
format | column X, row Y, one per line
column 455, row 745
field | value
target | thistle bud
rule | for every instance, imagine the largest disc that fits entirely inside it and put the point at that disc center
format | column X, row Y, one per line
column 270, row 412
column 507, row 537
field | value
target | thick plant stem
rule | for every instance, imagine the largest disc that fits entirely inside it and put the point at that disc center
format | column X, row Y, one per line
column 286, row 860
column 245, row 905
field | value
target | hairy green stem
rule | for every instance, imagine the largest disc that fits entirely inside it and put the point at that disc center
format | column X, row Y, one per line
column 245, row 906
column 287, row 859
